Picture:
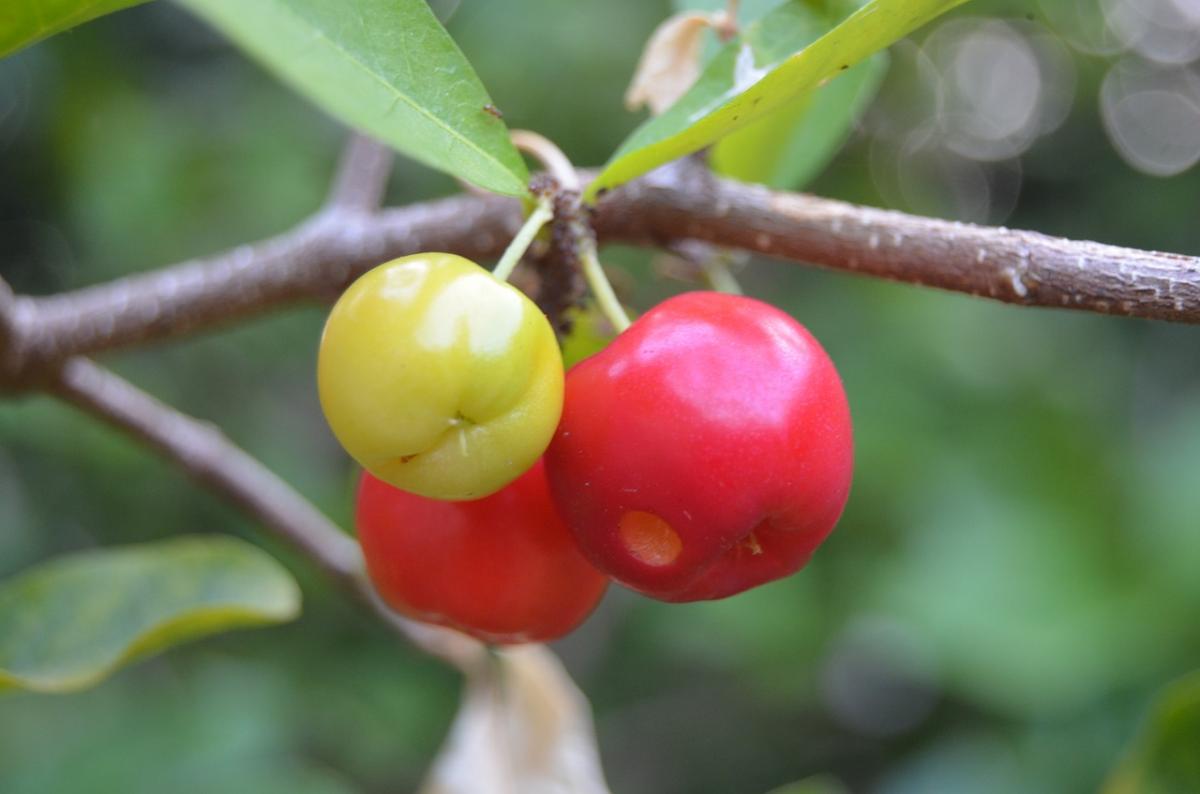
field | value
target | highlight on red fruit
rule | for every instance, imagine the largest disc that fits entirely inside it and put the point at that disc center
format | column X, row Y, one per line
column 504, row 568
column 707, row 450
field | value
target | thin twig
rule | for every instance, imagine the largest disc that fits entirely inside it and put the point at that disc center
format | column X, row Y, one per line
column 707, row 264
column 362, row 175
column 206, row 455
column 7, row 303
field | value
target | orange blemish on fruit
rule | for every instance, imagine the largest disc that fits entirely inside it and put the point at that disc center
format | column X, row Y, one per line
column 649, row 538
column 751, row 544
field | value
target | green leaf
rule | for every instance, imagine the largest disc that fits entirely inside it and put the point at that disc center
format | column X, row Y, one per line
column 69, row 623
column 789, row 148
column 818, row 784
column 24, row 22
column 1165, row 758
column 386, row 67
column 760, row 73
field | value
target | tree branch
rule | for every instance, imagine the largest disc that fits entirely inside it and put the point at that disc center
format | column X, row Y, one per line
column 317, row 259
column 313, row 261
column 209, row 457
column 8, row 328
column 1020, row 267
column 362, row 175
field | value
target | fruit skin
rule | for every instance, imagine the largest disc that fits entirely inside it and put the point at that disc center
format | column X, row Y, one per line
column 503, row 568
column 707, row 450
column 438, row 378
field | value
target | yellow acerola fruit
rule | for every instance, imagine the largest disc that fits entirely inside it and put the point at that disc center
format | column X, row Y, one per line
column 438, row 378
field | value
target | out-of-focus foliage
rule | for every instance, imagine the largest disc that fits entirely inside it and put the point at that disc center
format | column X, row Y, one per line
column 68, row 623
column 23, row 22
column 386, row 67
column 1164, row 759
column 1015, row 576
column 773, row 62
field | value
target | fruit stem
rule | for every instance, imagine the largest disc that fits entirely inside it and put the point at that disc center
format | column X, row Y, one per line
column 606, row 299
column 718, row 275
column 543, row 211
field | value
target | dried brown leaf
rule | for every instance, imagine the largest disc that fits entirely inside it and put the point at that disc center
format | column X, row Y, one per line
column 523, row 728
column 670, row 63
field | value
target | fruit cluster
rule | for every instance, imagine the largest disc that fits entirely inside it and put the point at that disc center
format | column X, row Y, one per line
column 705, row 451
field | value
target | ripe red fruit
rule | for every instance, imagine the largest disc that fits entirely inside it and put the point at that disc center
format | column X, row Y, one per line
column 503, row 568
column 707, row 450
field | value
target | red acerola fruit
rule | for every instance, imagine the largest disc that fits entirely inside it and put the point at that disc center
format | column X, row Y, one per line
column 503, row 568
column 707, row 450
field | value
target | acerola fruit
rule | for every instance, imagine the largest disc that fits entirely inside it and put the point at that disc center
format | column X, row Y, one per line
column 438, row 378
column 503, row 568
column 707, row 450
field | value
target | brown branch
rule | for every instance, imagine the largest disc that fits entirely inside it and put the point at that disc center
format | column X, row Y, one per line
column 362, row 175
column 206, row 455
column 1018, row 267
column 8, row 329
column 314, row 261
column 322, row 255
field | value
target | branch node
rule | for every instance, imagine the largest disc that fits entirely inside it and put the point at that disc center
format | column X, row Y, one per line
column 18, row 369
column 560, row 277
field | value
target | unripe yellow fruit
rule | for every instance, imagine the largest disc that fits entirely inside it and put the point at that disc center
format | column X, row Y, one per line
column 438, row 378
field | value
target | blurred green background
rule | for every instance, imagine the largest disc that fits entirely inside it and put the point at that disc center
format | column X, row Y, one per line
column 1017, row 571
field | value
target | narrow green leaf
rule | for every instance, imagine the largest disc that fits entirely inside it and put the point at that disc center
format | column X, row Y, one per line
column 1165, row 758
column 386, row 67
column 69, row 623
column 24, row 22
column 760, row 73
column 790, row 147
column 818, row 784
